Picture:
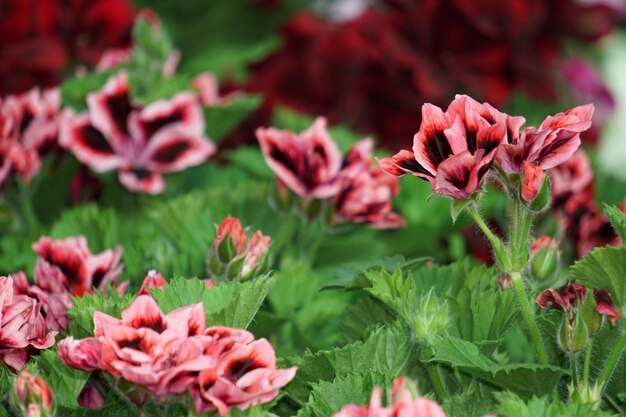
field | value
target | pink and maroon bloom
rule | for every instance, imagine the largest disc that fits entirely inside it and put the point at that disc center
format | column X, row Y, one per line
column 140, row 143
column 153, row 279
column 367, row 199
column 549, row 145
column 22, row 327
column 306, row 162
column 29, row 125
column 571, row 178
column 31, row 389
column 454, row 150
column 170, row 354
column 401, row 404
column 244, row 375
column 67, row 268
column 573, row 295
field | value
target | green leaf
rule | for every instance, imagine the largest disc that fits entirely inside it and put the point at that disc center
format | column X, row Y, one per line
column 223, row 118
column 617, row 218
column 228, row 304
column 66, row 383
column 604, row 268
column 244, row 305
column 81, row 314
column 329, row 397
column 387, row 350
column 458, row 206
column 513, row 406
column 525, row 380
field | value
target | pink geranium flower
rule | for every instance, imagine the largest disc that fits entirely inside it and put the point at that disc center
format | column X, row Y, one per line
column 549, row 145
column 29, row 124
column 140, row 143
column 532, row 180
column 453, row 150
column 245, row 375
column 169, row 354
column 32, row 390
column 22, row 327
column 401, row 404
column 306, row 162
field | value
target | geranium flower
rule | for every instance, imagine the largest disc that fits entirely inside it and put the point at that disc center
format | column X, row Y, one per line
column 22, row 327
column 245, row 375
column 568, row 297
column 571, row 178
column 453, row 150
column 307, row 163
column 140, row 143
column 532, row 180
column 169, row 354
column 69, row 264
column 549, row 145
column 401, row 404
column 29, row 124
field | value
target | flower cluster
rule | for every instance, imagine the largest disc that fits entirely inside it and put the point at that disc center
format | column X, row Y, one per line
column 401, row 404
column 310, row 164
column 455, row 149
column 29, row 125
column 39, row 39
column 138, row 142
column 170, row 354
column 22, row 326
column 235, row 257
column 67, row 268
column 376, row 70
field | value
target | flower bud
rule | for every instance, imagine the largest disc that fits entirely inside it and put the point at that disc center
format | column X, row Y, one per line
column 545, row 258
column 33, row 395
column 536, row 189
column 590, row 315
column 573, row 335
column 431, row 317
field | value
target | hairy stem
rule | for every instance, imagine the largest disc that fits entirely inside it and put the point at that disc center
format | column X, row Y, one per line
column 587, row 362
column 518, row 284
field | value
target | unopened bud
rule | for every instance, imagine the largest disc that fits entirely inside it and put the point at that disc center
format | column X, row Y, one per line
column 590, row 315
column 545, row 260
column 33, row 394
column 573, row 336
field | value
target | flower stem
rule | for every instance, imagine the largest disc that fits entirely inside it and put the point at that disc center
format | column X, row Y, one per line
column 574, row 369
column 611, row 363
column 518, row 284
column 436, row 377
column 500, row 252
column 587, row 362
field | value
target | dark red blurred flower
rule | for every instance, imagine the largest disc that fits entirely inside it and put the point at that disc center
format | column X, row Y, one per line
column 376, row 70
column 39, row 38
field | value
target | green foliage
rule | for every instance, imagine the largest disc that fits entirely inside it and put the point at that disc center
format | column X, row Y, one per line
column 232, row 304
column 387, row 351
column 221, row 119
column 522, row 379
column 617, row 218
column 81, row 314
column 329, row 397
column 66, row 383
column 513, row 406
column 604, row 268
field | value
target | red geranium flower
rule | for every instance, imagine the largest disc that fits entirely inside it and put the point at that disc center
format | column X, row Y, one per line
column 138, row 142
column 453, row 150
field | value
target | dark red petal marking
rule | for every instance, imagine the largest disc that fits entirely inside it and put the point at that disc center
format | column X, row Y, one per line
column 94, row 139
column 437, row 147
column 155, row 125
column 169, row 154
column 119, row 108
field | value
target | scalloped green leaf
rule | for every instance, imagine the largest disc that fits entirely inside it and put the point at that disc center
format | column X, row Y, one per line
column 523, row 379
column 617, row 218
column 604, row 268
